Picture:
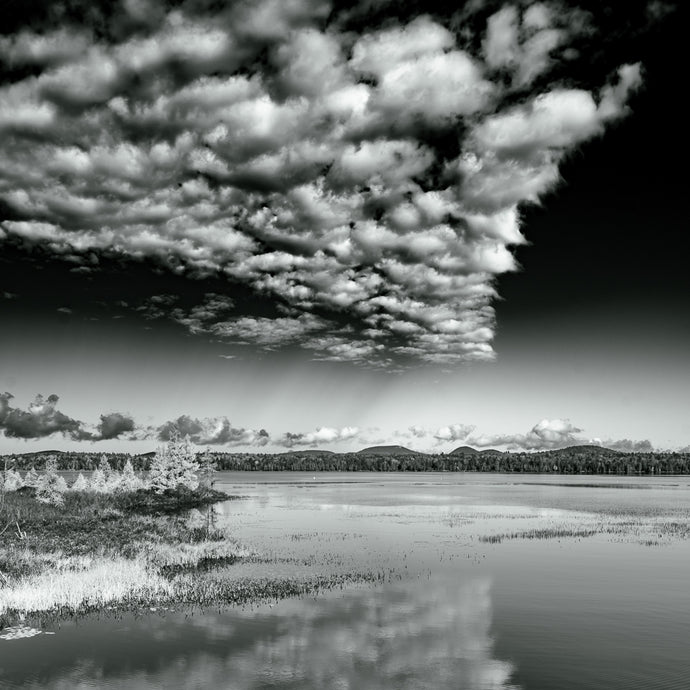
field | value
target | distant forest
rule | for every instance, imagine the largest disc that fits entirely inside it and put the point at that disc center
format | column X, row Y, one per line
column 580, row 460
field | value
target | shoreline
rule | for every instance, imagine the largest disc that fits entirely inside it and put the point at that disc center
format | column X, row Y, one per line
column 117, row 553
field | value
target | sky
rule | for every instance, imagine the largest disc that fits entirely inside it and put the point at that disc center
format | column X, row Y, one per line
column 287, row 224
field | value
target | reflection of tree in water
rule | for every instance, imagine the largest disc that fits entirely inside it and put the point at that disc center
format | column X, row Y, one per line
column 403, row 635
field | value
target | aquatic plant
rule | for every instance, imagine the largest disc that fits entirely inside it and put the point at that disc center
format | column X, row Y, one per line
column 547, row 533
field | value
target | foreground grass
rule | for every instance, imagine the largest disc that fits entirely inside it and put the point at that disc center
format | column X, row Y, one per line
column 98, row 550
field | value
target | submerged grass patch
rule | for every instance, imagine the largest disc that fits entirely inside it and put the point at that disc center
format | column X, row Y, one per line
column 548, row 533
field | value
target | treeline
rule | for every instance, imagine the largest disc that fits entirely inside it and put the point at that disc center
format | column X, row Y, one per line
column 72, row 461
column 553, row 462
column 597, row 461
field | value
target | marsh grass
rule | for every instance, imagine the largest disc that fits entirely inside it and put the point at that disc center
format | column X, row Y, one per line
column 547, row 533
column 110, row 553
column 103, row 581
column 95, row 550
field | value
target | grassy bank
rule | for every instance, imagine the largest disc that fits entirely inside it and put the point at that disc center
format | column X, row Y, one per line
column 136, row 551
column 98, row 550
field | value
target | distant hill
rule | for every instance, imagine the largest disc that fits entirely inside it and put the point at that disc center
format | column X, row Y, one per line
column 388, row 450
column 463, row 450
column 150, row 454
column 468, row 450
column 309, row 451
column 40, row 452
column 590, row 449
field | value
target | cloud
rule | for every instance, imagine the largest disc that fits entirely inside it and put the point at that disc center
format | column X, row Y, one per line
column 322, row 436
column 545, row 435
column 114, row 425
column 366, row 181
column 43, row 419
column 550, row 434
column 453, row 432
column 40, row 420
column 217, row 431
column 626, row 445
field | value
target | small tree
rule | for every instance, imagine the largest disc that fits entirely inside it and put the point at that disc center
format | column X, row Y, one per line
column 107, row 469
column 51, row 485
column 207, row 470
column 129, row 480
column 97, row 482
column 31, row 477
column 80, row 483
column 174, row 465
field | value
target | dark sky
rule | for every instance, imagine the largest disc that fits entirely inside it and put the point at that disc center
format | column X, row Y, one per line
column 283, row 229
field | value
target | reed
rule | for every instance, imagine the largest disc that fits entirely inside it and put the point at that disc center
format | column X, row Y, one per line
column 549, row 533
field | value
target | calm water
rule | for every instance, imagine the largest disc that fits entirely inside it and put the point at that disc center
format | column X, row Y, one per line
column 609, row 610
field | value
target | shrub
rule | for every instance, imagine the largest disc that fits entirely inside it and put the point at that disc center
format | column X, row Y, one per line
column 12, row 480
column 169, row 501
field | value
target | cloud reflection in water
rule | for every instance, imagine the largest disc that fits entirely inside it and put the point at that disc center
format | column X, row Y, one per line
column 409, row 634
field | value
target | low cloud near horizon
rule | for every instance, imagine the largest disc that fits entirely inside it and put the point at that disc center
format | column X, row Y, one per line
column 365, row 177
column 42, row 419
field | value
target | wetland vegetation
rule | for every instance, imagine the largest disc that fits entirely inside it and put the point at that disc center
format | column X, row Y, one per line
column 123, row 541
column 512, row 581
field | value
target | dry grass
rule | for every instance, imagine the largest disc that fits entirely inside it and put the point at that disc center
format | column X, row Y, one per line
column 98, row 551
column 96, row 584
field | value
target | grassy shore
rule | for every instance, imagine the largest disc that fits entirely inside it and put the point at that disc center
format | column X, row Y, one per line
column 105, row 550
column 135, row 551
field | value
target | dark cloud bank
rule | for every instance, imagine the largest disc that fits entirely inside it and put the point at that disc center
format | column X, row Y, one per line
column 364, row 173
column 42, row 419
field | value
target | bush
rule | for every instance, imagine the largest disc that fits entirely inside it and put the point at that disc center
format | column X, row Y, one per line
column 12, row 481
column 181, row 498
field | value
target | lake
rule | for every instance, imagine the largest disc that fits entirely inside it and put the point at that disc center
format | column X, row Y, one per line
column 481, row 581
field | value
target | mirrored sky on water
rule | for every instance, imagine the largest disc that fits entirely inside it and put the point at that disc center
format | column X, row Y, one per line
column 602, row 611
